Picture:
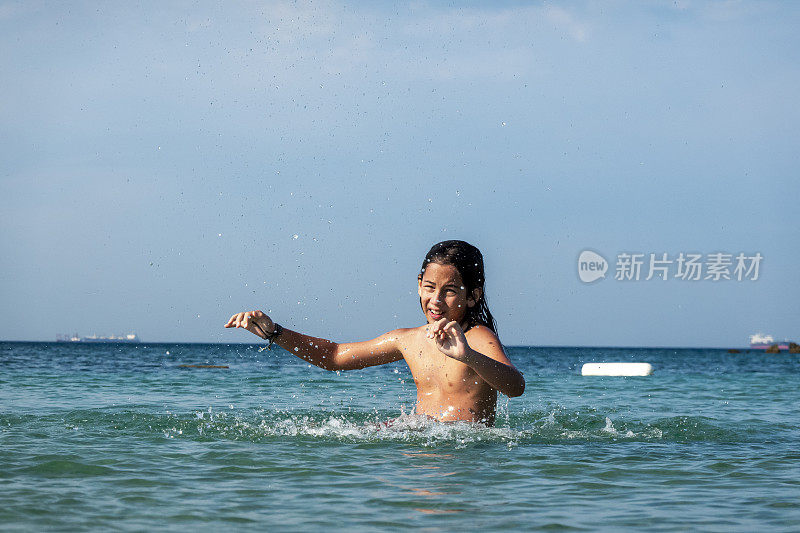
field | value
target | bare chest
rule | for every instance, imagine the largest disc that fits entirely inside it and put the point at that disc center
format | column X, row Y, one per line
column 432, row 370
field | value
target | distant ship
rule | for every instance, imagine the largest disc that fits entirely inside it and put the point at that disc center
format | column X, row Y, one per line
column 759, row 341
column 130, row 337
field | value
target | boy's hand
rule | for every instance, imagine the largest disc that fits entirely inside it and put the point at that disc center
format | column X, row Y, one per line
column 255, row 322
column 449, row 338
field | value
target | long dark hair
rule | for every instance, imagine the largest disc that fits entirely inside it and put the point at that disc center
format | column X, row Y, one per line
column 469, row 262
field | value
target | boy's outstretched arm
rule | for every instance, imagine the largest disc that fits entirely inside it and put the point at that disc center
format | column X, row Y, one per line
column 322, row 352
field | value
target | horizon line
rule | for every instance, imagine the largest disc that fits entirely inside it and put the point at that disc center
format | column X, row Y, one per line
column 663, row 347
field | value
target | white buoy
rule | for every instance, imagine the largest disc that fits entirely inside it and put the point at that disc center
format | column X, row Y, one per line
column 617, row 369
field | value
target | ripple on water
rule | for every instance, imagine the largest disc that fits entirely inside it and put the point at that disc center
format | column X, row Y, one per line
column 60, row 467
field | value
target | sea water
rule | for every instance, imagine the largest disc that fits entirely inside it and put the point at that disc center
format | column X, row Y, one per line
column 113, row 436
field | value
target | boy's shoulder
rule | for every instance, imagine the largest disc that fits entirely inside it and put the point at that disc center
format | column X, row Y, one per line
column 409, row 332
column 407, row 335
column 483, row 334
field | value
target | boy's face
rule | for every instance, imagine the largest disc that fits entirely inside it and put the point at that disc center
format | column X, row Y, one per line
column 443, row 294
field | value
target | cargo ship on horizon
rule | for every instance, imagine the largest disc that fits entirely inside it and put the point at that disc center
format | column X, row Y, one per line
column 130, row 338
column 759, row 341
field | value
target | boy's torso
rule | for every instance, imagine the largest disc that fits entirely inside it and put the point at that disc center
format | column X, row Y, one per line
column 446, row 389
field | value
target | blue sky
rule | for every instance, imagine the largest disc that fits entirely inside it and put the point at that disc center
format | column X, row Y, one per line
column 164, row 166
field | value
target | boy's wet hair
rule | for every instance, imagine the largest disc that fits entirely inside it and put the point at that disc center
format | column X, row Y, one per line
column 468, row 260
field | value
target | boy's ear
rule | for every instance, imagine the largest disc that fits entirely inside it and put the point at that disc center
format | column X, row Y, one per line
column 476, row 297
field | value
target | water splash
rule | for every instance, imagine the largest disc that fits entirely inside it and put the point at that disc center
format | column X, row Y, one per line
column 553, row 426
column 544, row 427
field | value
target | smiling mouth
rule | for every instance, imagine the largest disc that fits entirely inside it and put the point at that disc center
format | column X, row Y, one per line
column 436, row 315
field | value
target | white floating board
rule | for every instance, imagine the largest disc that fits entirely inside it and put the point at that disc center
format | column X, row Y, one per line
column 617, row 369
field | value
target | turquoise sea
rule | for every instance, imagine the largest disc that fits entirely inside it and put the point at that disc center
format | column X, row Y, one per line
column 104, row 436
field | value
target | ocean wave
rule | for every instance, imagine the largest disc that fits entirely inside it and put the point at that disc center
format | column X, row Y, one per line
column 555, row 426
